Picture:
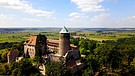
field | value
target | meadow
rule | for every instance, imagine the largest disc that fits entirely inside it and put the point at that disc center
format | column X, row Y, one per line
column 94, row 35
column 14, row 37
column 24, row 35
column 99, row 36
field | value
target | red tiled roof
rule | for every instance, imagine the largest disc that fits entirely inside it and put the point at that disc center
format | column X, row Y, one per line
column 53, row 41
column 31, row 40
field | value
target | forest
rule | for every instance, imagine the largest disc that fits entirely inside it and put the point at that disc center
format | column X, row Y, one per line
column 115, row 58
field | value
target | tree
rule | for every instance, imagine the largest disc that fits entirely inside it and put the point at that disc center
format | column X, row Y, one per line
column 4, row 69
column 4, row 55
column 23, row 68
column 26, row 67
column 57, row 69
column 20, row 47
column 87, row 46
column 16, row 72
column 75, row 41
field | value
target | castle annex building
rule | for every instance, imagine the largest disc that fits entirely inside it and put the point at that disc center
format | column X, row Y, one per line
column 12, row 54
column 35, row 45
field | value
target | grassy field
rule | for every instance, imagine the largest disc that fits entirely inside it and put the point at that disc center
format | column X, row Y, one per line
column 51, row 34
column 14, row 37
column 23, row 36
column 99, row 37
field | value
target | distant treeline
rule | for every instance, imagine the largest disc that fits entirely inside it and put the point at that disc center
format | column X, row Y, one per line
column 25, row 29
column 58, row 29
column 11, row 29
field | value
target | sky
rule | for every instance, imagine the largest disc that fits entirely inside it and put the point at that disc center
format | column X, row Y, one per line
column 69, row 13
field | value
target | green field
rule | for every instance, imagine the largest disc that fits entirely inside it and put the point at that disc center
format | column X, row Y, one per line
column 24, row 35
column 99, row 37
column 14, row 37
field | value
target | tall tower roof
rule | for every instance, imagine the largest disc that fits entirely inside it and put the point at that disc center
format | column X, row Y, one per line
column 64, row 30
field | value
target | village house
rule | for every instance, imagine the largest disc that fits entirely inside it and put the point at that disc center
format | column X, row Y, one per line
column 11, row 56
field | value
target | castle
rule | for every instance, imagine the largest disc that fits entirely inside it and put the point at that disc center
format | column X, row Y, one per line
column 39, row 45
column 49, row 50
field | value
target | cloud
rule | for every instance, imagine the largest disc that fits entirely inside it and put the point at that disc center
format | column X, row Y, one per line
column 6, row 17
column 77, row 20
column 76, row 15
column 30, row 19
column 80, row 20
column 101, row 17
column 132, row 17
column 128, row 22
column 24, row 6
column 104, row 20
column 89, row 5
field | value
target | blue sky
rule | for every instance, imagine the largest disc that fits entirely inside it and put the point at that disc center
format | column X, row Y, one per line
column 69, row 13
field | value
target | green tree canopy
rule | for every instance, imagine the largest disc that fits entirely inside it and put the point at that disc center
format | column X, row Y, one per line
column 57, row 69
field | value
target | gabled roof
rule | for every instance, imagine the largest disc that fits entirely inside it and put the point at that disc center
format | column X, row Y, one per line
column 31, row 40
column 64, row 30
column 13, row 52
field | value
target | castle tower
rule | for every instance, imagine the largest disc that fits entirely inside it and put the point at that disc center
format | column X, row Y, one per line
column 64, row 41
